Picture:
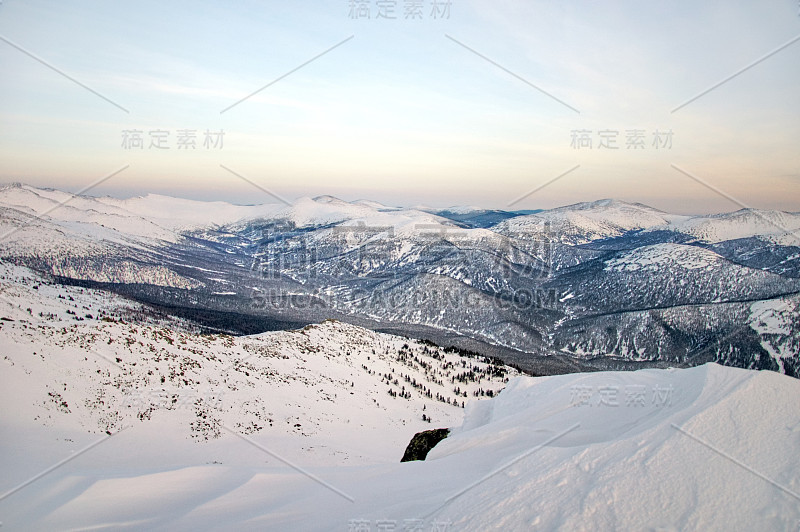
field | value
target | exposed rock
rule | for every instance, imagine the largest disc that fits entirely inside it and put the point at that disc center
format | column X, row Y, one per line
column 422, row 443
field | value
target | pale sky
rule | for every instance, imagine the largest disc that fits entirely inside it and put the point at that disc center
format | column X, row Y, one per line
column 427, row 110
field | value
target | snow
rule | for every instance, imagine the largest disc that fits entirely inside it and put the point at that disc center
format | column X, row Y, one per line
column 777, row 226
column 182, row 214
column 309, row 212
column 570, row 467
column 151, row 219
column 217, row 445
column 457, row 209
column 584, row 222
column 141, row 220
column 81, row 214
column 373, row 204
column 659, row 256
column 773, row 320
column 772, row 316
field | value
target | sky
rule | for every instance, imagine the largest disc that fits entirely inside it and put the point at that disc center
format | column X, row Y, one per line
column 509, row 104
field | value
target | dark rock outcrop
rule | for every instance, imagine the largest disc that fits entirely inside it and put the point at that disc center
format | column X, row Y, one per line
column 422, row 443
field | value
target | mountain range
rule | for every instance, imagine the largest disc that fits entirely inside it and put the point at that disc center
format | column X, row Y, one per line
column 599, row 285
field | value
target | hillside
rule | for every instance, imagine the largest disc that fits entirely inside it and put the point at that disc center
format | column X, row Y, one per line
column 82, row 360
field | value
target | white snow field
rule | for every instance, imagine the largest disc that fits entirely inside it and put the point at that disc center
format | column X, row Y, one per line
column 125, row 420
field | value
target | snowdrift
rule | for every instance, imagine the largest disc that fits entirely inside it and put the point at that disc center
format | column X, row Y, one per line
column 707, row 448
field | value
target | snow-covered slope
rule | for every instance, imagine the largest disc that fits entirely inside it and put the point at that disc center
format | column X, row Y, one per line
column 664, row 275
column 776, row 323
column 707, row 448
column 151, row 217
column 83, row 215
column 661, row 256
column 584, row 222
column 85, row 361
column 82, row 251
column 182, row 214
column 326, row 211
column 93, row 341
column 774, row 226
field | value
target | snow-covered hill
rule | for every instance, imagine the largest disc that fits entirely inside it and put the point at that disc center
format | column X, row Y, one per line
column 83, row 215
column 84, row 360
column 774, row 226
column 146, row 218
column 666, row 275
column 585, row 222
column 183, row 215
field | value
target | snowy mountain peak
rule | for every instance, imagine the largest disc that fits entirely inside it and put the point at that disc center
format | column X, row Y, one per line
column 326, row 198
column 584, row 222
column 775, row 225
column 606, row 205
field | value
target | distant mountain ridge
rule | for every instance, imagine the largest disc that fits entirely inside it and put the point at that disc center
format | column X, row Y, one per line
column 600, row 283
